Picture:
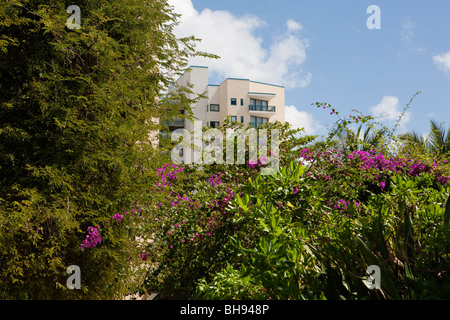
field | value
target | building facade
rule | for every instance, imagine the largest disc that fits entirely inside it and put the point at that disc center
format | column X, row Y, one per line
column 246, row 101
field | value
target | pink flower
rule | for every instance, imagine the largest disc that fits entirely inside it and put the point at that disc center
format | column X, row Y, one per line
column 92, row 239
column 118, row 217
column 144, row 256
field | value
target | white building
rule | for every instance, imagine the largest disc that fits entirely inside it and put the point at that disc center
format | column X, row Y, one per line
column 246, row 101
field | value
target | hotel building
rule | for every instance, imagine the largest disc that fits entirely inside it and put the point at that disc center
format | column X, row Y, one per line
column 246, row 101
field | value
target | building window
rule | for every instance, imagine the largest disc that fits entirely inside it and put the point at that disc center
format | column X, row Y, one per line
column 242, row 102
column 242, row 119
column 233, row 101
column 256, row 121
column 260, row 104
column 214, row 124
column 214, row 107
column 233, row 118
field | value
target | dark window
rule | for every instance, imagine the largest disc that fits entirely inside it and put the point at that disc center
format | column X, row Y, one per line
column 242, row 119
column 242, row 102
column 214, row 124
column 233, row 101
column 259, row 103
column 233, row 118
column 214, row 107
column 256, row 121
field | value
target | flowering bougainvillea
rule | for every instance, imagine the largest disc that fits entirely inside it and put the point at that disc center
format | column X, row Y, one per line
column 92, row 238
column 215, row 179
column 373, row 163
column 93, row 233
column 167, row 175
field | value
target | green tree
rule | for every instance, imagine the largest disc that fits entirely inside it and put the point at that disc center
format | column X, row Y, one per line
column 75, row 114
column 437, row 141
column 362, row 140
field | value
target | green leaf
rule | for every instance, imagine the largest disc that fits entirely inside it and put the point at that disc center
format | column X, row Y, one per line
column 447, row 215
column 386, row 279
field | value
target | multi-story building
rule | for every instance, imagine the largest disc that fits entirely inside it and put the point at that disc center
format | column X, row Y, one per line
column 246, row 101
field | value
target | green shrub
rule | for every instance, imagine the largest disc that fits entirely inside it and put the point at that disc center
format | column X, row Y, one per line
column 75, row 107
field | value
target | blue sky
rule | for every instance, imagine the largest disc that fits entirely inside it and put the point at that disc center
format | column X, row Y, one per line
column 322, row 51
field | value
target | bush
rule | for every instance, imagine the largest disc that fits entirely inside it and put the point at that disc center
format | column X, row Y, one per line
column 311, row 230
column 75, row 111
column 312, row 251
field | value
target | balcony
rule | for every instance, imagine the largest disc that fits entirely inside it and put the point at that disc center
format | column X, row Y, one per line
column 175, row 124
column 253, row 108
column 262, row 95
column 255, row 125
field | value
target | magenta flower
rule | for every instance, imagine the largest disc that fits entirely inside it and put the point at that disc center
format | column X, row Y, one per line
column 215, row 180
column 144, row 256
column 382, row 185
column 295, row 190
column 252, row 163
column 92, row 238
column 118, row 217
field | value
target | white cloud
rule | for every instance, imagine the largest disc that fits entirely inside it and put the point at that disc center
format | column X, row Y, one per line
column 407, row 33
column 302, row 119
column 241, row 51
column 442, row 61
column 389, row 110
column 293, row 25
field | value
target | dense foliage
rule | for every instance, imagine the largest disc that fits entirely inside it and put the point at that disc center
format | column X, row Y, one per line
column 308, row 232
column 76, row 109
column 81, row 184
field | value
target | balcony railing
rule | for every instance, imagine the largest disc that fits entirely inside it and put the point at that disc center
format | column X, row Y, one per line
column 254, row 107
column 255, row 124
column 175, row 123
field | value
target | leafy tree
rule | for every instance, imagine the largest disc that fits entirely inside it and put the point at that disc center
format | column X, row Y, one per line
column 75, row 113
column 351, row 140
column 437, row 141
